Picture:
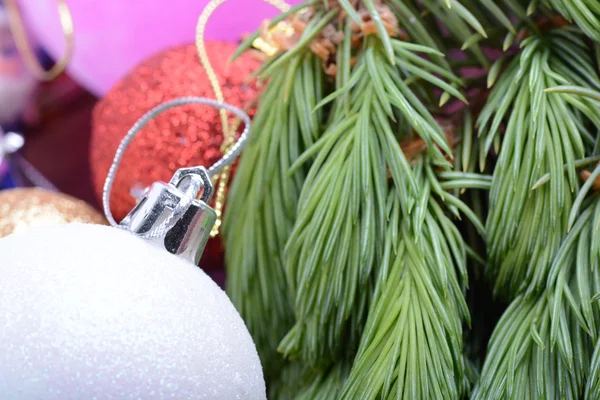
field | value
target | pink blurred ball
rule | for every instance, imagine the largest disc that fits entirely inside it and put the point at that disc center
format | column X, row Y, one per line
column 113, row 36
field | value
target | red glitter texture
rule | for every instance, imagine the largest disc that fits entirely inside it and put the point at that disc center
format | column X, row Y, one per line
column 181, row 137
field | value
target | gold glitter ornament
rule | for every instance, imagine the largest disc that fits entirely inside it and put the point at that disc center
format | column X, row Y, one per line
column 25, row 208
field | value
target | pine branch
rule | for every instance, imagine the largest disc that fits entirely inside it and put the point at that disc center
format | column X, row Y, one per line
column 520, row 362
column 338, row 242
column 543, row 132
column 523, row 360
column 575, row 276
column 299, row 382
column 466, row 21
column 412, row 344
column 585, row 13
column 592, row 389
column 342, row 205
column 262, row 203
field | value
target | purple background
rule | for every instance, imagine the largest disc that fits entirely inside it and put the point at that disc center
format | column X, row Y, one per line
column 112, row 36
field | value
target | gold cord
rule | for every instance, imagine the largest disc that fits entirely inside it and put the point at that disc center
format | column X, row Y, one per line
column 228, row 134
column 17, row 27
column 279, row 4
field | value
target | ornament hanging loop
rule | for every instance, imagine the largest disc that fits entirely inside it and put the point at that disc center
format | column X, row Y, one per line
column 215, row 169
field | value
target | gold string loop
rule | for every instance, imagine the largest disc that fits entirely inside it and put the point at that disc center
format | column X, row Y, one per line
column 228, row 134
column 17, row 27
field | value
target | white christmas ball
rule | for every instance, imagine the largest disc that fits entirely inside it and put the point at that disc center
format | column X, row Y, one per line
column 93, row 312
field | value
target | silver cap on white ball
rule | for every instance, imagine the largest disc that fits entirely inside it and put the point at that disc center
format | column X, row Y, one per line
column 186, row 234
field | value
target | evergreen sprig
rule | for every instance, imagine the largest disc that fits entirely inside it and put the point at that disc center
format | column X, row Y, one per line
column 412, row 344
column 585, row 13
column 543, row 133
column 521, row 362
column 341, row 211
column 341, row 247
column 541, row 348
column 262, row 203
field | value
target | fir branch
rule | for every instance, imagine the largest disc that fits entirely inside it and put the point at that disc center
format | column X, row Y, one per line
column 520, row 362
column 412, row 344
column 338, row 242
column 468, row 21
column 299, row 382
column 459, row 21
column 592, row 388
column 262, row 204
column 543, row 132
column 575, row 276
column 523, row 360
column 585, row 13
column 341, row 212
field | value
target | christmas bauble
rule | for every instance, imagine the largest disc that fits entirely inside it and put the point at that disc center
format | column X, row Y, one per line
column 25, row 208
column 113, row 36
column 90, row 311
column 181, row 137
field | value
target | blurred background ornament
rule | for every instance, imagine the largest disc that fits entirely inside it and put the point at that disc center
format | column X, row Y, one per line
column 9, row 143
column 17, row 84
column 113, row 36
column 188, row 135
column 25, row 208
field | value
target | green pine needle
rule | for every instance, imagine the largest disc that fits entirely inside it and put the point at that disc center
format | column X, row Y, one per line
column 341, row 207
column 521, row 364
column 578, row 90
column 592, row 389
column 542, row 345
column 412, row 344
column 262, row 204
column 347, row 258
column 524, row 228
column 586, row 13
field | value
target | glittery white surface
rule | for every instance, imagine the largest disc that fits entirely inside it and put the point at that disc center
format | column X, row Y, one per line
column 91, row 312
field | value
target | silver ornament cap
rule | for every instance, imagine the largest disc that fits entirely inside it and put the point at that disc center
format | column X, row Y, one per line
column 171, row 217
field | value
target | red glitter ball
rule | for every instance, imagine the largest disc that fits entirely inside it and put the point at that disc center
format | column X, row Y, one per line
column 181, row 137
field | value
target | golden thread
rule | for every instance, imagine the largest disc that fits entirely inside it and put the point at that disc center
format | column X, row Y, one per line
column 279, row 4
column 268, row 44
column 15, row 21
column 228, row 134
